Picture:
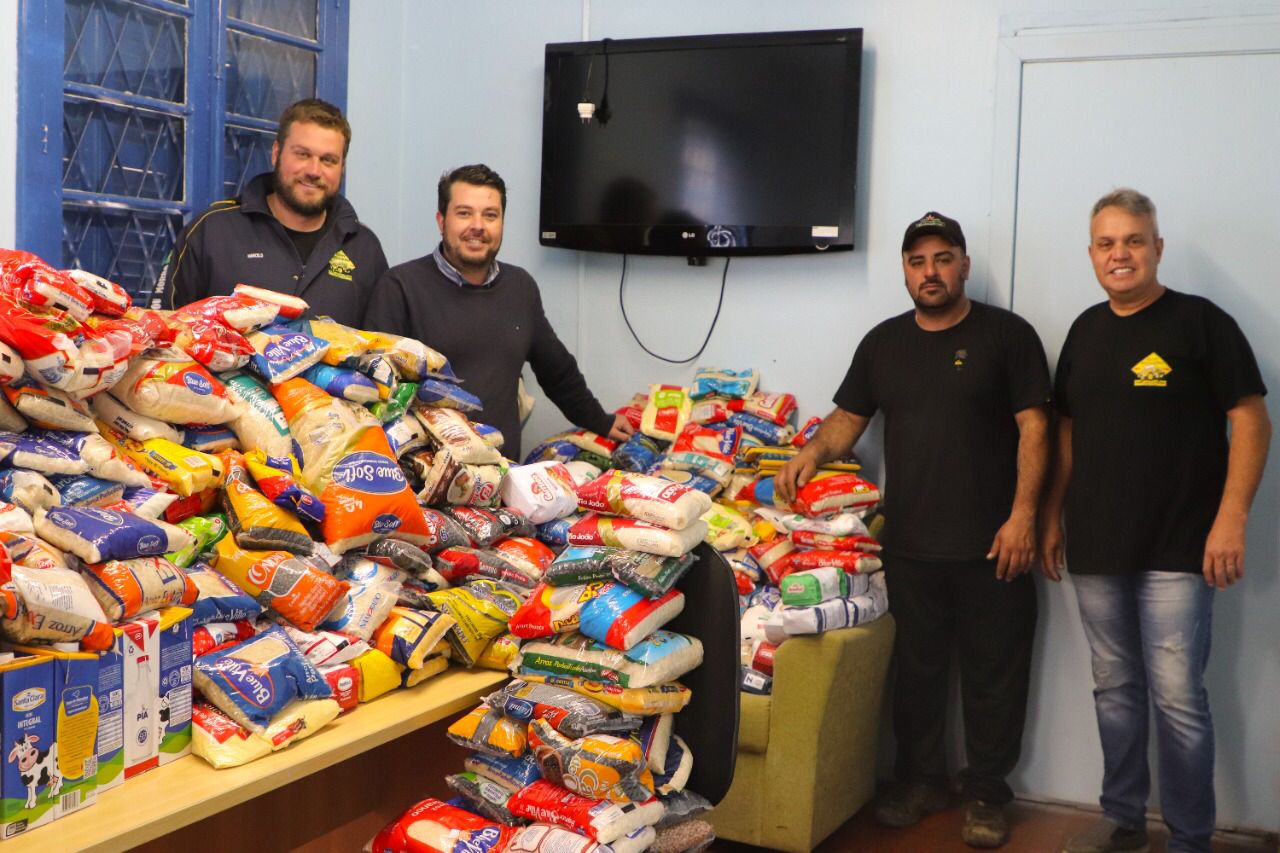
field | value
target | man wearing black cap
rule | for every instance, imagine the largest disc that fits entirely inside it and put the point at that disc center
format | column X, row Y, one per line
column 964, row 389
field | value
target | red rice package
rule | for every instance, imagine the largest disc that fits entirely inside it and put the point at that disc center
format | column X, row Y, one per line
column 854, row 562
column 540, row 492
column 594, row 529
column 210, row 343
column 776, row 408
column 666, row 412
column 240, row 312
column 108, row 297
column 551, row 610
column 806, row 433
column 829, row 495
column 585, row 439
column 175, row 389
column 294, row 587
column 216, row 636
column 126, row 588
column 812, row 539
column 487, row 526
column 28, row 278
column 367, row 497
column 704, row 450
column 634, row 411
column 290, row 307
column 601, row 820
column 435, row 827
column 645, row 498
column 527, row 554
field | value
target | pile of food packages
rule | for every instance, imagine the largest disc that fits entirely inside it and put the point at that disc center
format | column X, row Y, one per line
column 225, row 525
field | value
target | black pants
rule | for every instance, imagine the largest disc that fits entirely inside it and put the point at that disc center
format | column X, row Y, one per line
column 961, row 606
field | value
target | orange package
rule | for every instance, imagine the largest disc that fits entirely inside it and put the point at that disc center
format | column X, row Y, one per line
column 367, row 497
column 294, row 587
column 126, row 588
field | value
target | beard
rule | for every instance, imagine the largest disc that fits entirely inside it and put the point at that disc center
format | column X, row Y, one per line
column 936, row 304
column 285, row 193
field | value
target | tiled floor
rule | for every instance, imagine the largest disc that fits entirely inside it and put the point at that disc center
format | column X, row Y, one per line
column 1035, row 828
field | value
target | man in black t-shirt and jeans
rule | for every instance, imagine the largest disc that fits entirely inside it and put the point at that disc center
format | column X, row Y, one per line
column 1156, row 501
column 964, row 389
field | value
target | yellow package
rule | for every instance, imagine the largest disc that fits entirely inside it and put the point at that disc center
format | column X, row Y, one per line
column 667, row 698
column 667, row 411
column 255, row 521
column 500, row 652
column 727, row 528
column 409, row 636
column 486, row 730
column 432, row 666
column 346, row 344
column 481, row 611
column 378, row 674
column 412, row 359
column 183, row 470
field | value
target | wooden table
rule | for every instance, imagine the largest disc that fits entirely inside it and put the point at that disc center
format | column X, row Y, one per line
column 169, row 798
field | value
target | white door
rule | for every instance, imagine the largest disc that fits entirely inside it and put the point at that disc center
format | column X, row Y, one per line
column 1199, row 133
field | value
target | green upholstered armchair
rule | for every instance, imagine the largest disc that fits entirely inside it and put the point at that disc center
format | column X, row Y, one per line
column 807, row 754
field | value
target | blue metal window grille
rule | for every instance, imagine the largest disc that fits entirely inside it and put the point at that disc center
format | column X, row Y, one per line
column 134, row 115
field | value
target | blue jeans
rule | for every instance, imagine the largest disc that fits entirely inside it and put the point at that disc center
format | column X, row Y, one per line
column 1149, row 634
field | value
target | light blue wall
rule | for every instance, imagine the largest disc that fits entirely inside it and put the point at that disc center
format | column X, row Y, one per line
column 8, row 121
column 470, row 89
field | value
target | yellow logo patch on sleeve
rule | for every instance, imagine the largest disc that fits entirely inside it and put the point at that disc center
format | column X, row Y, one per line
column 340, row 266
column 1151, row 372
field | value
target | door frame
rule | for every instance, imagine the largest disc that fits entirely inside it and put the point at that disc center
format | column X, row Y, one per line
column 1027, row 38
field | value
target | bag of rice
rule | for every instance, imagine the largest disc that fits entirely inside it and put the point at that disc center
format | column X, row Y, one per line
column 570, row 713
column 342, row 383
column 220, row 600
column 727, row 528
column 435, row 827
column 484, row 797
column 409, row 637
column 255, row 680
column 645, row 498
column 126, row 588
column 540, row 492
column 295, row 587
column 603, row 767
column 480, row 610
column 486, row 730
column 242, row 312
column 413, row 360
column 512, row 773
column 98, row 535
column 601, row 820
column 257, row 523
column 53, row 605
column 367, row 602
column 322, row 426
column 487, row 526
column 528, row 555
column 278, row 477
column 346, row 345
column 121, row 418
column 620, row 617
column 446, row 481
column 168, row 386
column 290, row 307
column 451, row 429
column 367, row 497
column 814, row 586
column 260, row 424
column 31, row 551
column 281, row 352
column 854, row 562
column 663, row 656
column 28, row 490
column 447, row 395
column 35, row 452
column 595, row 529
column 666, row 412
column 48, row 408
column 724, row 383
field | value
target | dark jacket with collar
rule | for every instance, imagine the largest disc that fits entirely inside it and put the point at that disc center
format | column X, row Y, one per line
column 239, row 241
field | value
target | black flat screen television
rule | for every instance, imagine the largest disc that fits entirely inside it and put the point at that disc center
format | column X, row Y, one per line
column 743, row 144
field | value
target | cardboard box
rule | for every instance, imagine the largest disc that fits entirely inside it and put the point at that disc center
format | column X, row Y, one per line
column 76, row 716
column 29, row 782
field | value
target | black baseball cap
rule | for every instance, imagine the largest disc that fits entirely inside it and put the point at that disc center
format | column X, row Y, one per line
column 934, row 223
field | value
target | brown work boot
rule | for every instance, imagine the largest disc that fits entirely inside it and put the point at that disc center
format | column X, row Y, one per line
column 905, row 803
column 985, row 824
column 1107, row 836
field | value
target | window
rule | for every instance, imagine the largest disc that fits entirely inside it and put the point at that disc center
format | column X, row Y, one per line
column 164, row 106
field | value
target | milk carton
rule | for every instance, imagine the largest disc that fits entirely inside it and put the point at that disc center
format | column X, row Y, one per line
column 110, row 720
column 76, row 716
column 154, row 654
column 30, row 782
column 174, row 690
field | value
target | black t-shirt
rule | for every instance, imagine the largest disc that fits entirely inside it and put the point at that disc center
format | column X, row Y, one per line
column 1147, row 395
column 305, row 241
column 950, row 437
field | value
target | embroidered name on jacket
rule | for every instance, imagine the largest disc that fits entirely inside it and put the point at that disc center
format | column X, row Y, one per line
column 1151, row 372
column 340, row 266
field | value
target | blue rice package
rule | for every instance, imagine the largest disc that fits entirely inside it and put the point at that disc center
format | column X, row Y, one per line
column 638, row 453
column 766, row 431
column 689, row 478
column 446, row 395
column 725, row 383
column 489, row 434
column 37, row 453
column 552, row 450
column 210, row 439
column 27, row 489
column 97, row 535
column 281, row 352
column 343, row 383
column 147, row 502
column 30, row 781
column 253, row 681
column 769, row 596
column 382, row 371
column 556, row 532
column 84, row 490
column 512, row 772
column 220, row 599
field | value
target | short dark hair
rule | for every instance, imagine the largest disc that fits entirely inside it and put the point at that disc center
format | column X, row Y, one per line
column 477, row 174
column 1130, row 201
column 315, row 111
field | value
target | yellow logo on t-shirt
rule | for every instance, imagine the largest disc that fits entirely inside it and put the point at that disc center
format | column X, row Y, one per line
column 340, row 266
column 1151, row 372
